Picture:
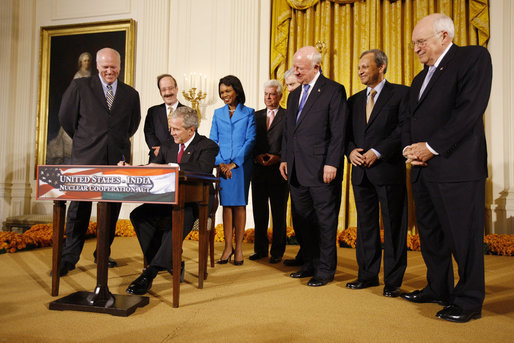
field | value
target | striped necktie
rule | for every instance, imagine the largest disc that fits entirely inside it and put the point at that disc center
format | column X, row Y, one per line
column 109, row 96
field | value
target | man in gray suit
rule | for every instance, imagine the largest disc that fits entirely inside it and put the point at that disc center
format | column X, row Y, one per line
column 100, row 113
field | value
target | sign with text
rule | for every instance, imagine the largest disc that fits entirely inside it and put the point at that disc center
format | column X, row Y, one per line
column 108, row 183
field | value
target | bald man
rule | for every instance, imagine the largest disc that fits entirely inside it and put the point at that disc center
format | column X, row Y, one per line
column 312, row 162
column 100, row 113
column 444, row 141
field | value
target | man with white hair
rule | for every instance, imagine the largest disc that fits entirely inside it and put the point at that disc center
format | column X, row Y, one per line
column 268, row 186
column 100, row 113
column 444, row 141
column 291, row 81
column 313, row 161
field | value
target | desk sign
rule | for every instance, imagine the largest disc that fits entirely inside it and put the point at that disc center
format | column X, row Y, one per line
column 108, row 183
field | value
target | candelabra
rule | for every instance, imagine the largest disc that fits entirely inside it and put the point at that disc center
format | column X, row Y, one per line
column 194, row 98
column 195, row 86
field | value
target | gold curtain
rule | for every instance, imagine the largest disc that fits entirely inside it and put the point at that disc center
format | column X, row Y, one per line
column 348, row 28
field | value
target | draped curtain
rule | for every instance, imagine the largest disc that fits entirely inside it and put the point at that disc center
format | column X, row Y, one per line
column 346, row 28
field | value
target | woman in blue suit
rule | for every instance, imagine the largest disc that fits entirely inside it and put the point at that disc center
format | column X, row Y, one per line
column 233, row 128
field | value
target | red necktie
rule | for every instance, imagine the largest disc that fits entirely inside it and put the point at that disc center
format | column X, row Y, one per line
column 180, row 153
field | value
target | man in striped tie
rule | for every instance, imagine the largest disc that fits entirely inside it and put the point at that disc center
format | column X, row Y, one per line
column 100, row 113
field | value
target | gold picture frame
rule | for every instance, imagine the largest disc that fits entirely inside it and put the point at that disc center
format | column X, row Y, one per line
column 64, row 53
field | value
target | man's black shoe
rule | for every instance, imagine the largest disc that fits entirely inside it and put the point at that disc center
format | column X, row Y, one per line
column 111, row 263
column 301, row 274
column 358, row 284
column 255, row 257
column 456, row 314
column 418, row 296
column 293, row 262
column 274, row 260
column 143, row 283
column 318, row 282
column 391, row 291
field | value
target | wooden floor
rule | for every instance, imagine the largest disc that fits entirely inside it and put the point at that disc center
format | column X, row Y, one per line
column 256, row 302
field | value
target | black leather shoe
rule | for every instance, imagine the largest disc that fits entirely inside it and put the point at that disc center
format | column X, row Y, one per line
column 301, row 274
column 182, row 270
column 456, row 314
column 255, row 257
column 111, row 263
column 391, row 291
column 358, row 284
column 418, row 296
column 274, row 260
column 293, row 262
column 143, row 283
column 318, row 282
column 65, row 268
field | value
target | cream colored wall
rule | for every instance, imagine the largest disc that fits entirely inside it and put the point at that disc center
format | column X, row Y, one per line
column 212, row 37
column 499, row 121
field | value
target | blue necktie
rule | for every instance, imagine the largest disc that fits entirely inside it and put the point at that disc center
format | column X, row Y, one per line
column 302, row 102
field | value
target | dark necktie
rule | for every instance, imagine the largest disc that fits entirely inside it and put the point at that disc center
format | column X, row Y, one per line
column 304, row 99
column 109, row 96
column 180, row 153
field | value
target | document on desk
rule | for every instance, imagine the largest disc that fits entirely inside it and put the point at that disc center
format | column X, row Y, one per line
column 108, row 183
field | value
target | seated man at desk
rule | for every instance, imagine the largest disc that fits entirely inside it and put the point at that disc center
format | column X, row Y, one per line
column 152, row 222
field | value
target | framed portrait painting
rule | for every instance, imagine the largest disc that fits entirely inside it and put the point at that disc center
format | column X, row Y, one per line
column 68, row 52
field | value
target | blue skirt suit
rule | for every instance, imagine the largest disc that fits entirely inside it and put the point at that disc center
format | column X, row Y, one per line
column 236, row 139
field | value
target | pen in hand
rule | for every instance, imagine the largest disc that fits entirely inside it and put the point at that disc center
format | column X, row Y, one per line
column 123, row 159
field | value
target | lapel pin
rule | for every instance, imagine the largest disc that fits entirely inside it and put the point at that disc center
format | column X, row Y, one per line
column 319, row 90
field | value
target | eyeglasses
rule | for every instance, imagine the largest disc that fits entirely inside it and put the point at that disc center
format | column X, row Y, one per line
column 421, row 43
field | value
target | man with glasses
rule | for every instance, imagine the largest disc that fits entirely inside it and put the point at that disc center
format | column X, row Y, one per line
column 444, row 141
column 156, row 122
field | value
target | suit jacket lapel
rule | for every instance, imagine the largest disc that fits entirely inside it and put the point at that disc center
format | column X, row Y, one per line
column 189, row 150
column 278, row 118
column 238, row 113
column 96, row 86
column 439, row 71
column 162, row 116
column 384, row 97
column 313, row 96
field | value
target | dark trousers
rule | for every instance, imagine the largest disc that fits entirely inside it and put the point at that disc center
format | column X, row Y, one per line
column 392, row 200
column 276, row 194
column 153, row 224
column 450, row 219
column 77, row 222
column 315, row 212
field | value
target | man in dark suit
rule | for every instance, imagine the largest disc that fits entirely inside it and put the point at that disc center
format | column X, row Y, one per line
column 268, row 186
column 156, row 122
column 100, row 113
column 312, row 162
column 153, row 222
column 378, row 174
column 444, row 141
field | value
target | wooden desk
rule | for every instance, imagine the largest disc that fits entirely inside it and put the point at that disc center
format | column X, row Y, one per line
column 193, row 187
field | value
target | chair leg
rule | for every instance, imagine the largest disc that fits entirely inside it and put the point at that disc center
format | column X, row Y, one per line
column 211, row 246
